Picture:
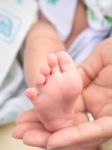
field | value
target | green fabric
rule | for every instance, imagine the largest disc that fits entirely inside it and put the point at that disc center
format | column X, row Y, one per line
column 52, row 1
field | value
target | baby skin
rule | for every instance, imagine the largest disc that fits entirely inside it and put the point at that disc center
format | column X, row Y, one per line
column 57, row 90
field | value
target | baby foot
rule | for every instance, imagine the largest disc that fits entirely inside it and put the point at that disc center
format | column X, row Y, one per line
column 59, row 84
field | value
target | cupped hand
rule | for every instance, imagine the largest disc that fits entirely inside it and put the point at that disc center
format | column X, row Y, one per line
column 30, row 130
column 96, row 72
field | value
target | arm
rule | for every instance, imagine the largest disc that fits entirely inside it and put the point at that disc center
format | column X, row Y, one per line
column 42, row 40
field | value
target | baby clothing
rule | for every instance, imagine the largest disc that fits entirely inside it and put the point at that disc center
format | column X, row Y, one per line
column 99, row 14
column 16, row 17
column 61, row 13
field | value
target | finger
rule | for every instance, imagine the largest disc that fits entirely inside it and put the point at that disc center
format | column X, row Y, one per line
column 68, row 148
column 96, row 61
column 88, row 146
column 36, row 138
column 21, row 129
column 28, row 116
column 87, row 132
column 80, row 118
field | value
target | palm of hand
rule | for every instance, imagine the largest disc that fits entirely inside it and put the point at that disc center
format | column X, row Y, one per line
column 97, row 104
column 98, row 95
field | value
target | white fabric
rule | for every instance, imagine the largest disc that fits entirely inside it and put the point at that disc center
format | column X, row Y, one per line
column 16, row 17
column 85, row 44
column 99, row 14
column 60, row 14
column 15, row 20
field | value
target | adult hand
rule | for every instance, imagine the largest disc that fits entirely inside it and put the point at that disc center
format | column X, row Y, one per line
column 30, row 130
column 97, row 94
column 96, row 72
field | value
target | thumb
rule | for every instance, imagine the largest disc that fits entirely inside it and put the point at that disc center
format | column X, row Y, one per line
column 93, row 64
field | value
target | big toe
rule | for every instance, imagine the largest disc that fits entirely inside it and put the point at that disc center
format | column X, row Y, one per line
column 65, row 61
